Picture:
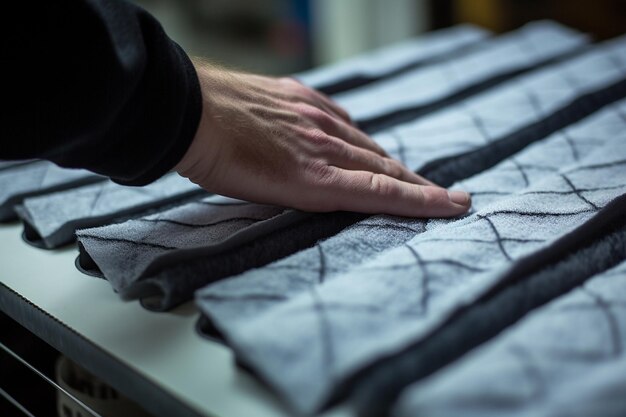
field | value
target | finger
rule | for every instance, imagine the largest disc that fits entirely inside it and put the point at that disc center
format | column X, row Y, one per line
column 347, row 133
column 336, row 108
column 368, row 192
column 323, row 100
column 353, row 158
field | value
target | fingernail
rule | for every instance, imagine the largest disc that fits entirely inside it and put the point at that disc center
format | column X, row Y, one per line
column 459, row 197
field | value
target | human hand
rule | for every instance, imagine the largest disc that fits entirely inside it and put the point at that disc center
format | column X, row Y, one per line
column 275, row 141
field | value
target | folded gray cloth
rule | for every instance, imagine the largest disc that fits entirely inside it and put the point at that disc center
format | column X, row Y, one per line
column 129, row 252
column 34, row 178
column 361, row 313
column 51, row 220
column 524, row 48
column 463, row 128
column 390, row 61
column 535, row 368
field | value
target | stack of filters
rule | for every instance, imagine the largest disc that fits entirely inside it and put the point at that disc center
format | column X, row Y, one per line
column 496, row 313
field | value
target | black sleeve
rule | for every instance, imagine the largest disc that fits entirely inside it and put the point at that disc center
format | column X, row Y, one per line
column 96, row 84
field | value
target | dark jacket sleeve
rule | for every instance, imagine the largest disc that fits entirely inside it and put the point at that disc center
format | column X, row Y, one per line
column 96, row 84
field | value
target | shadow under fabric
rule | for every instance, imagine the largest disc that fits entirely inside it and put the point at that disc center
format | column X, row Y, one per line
column 457, row 130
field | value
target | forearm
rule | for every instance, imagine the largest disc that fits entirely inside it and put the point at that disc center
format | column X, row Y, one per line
column 97, row 85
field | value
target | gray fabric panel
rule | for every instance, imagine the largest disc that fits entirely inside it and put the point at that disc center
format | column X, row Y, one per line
column 125, row 251
column 565, row 359
column 381, row 61
column 20, row 181
column 363, row 312
column 54, row 217
column 523, row 48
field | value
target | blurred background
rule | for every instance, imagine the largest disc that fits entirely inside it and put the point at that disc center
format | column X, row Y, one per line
column 287, row 36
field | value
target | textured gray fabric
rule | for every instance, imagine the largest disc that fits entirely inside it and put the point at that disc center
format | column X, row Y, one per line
column 361, row 313
column 523, row 48
column 54, row 217
column 127, row 252
column 379, row 62
column 38, row 177
column 480, row 121
column 535, row 367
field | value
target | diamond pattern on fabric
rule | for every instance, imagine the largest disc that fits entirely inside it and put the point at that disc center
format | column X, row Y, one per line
column 34, row 178
column 523, row 48
column 51, row 221
column 535, row 367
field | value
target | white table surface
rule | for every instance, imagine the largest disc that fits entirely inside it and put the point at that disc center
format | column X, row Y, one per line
column 162, row 347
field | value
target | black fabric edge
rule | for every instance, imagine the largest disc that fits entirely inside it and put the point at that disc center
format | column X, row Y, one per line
column 388, row 120
column 206, row 330
column 558, row 265
column 255, row 253
column 85, row 263
column 358, row 79
column 92, row 357
column 448, row 170
column 237, row 239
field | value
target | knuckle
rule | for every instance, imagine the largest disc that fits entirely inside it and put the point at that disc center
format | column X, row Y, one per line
column 319, row 172
column 323, row 143
column 317, row 137
column 380, row 184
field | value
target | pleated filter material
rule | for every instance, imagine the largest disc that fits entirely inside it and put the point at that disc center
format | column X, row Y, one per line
column 51, row 220
column 21, row 180
column 566, row 358
column 462, row 128
column 361, row 313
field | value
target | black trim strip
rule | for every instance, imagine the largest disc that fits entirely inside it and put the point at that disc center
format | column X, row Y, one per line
column 350, row 82
column 385, row 121
column 447, row 171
